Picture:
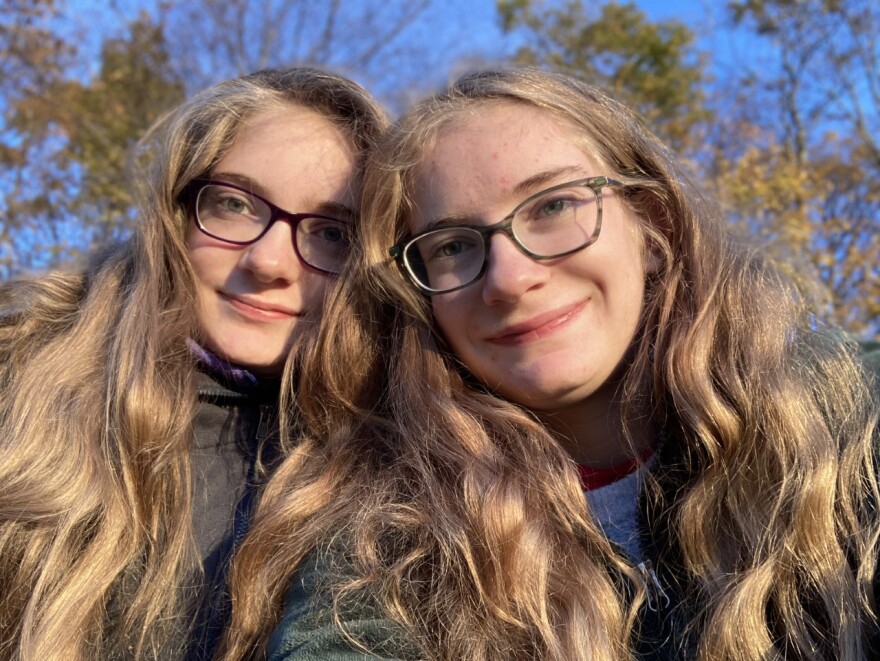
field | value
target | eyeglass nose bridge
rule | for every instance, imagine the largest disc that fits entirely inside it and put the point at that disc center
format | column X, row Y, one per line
column 277, row 214
column 486, row 233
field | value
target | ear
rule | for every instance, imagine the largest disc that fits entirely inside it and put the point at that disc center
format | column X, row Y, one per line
column 653, row 260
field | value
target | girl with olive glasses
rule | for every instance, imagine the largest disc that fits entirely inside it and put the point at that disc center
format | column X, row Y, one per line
column 564, row 416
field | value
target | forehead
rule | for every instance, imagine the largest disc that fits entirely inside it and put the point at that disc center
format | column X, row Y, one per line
column 498, row 153
column 274, row 130
column 291, row 148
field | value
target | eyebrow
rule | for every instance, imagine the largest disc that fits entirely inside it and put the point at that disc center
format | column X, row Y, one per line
column 335, row 210
column 524, row 188
column 240, row 180
column 547, row 177
column 328, row 208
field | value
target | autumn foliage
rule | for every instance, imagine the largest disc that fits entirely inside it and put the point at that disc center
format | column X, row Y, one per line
column 784, row 132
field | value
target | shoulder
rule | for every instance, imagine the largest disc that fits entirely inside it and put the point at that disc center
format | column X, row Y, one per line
column 869, row 352
column 311, row 630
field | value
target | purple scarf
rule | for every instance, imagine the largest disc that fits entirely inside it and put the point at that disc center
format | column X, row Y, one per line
column 226, row 371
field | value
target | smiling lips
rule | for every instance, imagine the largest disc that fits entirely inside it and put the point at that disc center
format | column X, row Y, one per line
column 537, row 327
column 260, row 310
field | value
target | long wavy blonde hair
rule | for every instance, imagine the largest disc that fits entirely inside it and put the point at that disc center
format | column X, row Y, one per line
column 97, row 401
column 457, row 516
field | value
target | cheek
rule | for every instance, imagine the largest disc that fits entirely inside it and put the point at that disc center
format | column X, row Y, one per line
column 314, row 286
column 200, row 266
column 193, row 239
column 204, row 257
column 218, row 264
column 212, row 268
column 449, row 316
column 310, row 294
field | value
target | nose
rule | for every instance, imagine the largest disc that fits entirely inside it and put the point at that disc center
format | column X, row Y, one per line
column 510, row 273
column 273, row 258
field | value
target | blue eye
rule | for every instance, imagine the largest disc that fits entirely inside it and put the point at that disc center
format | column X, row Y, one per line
column 225, row 203
column 331, row 233
column 234, row 205
column 557, row 207
column 450, row 249
column 552, row 207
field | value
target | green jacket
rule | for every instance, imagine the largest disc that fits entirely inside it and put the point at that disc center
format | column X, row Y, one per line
column 307, row 631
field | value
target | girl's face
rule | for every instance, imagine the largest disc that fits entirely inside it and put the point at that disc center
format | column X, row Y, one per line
column 254, row 298
column 546, row 335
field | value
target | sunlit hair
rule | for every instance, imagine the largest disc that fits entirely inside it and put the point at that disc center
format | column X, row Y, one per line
column 458, row 516
column 97, row 400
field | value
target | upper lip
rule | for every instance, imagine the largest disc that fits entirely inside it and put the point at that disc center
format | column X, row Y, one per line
column 267, row 306
column 536, row 322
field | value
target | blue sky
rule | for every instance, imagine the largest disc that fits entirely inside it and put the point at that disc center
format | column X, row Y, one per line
column 452, row 33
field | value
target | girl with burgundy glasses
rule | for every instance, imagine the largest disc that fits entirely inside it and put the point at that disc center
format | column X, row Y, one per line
column 145, row 401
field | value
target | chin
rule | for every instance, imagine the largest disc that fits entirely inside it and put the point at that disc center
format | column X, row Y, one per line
column 263, row 364
column 256, row 352
column 548, row 397
column 256, row 363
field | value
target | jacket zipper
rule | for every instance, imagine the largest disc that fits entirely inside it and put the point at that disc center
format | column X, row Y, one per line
column 657, row 597
column 245, row 504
